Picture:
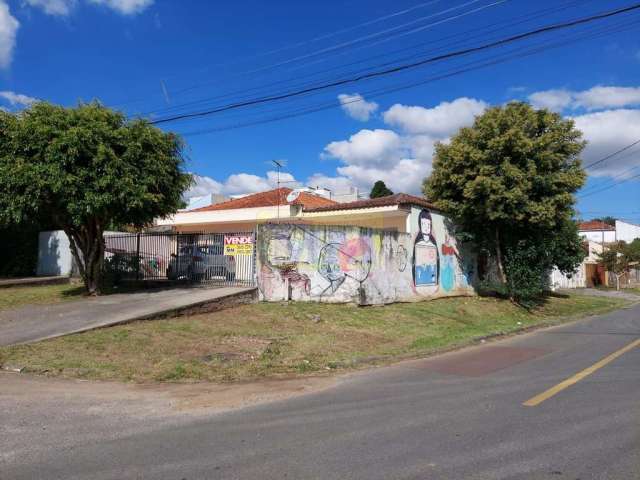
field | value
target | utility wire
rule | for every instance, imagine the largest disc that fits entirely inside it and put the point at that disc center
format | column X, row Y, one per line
column 466, row 37
column 443, row 75
column 609, row 186
column 404, row 67
column 465, row 34
column 611, row 155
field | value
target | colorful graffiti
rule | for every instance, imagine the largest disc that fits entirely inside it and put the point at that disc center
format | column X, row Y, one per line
column 362, row 265
column 334, row 264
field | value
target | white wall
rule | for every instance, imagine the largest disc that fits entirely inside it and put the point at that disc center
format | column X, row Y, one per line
column 599, row 236
column 627, row 231
column 54, row 255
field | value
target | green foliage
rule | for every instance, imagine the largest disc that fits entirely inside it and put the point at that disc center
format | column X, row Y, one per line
column 621, row 256
column 509, row 182
column 85, row 169
column 380, row 190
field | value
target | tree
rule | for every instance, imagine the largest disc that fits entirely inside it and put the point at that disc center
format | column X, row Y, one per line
column 86, row 169
column 380, row 190
column 509, row 182
column 620, row 257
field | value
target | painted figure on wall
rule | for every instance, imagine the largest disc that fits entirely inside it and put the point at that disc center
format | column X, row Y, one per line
column 425, row 253
column 450, row 263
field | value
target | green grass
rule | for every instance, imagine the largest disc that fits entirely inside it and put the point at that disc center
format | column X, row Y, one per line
column 14, row 297
column 268, row 339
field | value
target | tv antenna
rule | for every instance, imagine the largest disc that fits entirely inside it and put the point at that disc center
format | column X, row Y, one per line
column 279, row 165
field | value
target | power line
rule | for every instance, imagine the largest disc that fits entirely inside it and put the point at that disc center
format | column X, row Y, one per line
column 443, row 75
column 466, row 34
column 346, row 45
column 405, row 67
column 608, row 187
column 611, row 155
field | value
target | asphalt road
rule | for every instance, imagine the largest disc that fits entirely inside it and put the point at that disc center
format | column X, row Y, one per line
column 456, row 416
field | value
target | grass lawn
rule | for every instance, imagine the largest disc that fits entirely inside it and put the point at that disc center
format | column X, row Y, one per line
column 13, row 297
column 276, row 339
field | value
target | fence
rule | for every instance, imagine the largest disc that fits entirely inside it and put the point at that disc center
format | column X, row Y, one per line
column 223, row 259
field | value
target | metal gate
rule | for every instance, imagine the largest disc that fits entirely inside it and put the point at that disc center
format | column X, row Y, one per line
column 224, row 259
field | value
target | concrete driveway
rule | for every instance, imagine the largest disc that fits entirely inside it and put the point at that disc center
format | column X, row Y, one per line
column 38, row 322
column 456, row 416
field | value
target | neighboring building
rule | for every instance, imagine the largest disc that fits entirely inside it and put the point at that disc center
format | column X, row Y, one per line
column 597, row 231
column 204, row 201
column 627, row 232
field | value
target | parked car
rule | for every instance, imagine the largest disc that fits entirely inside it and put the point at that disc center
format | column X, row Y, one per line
column 201, row 262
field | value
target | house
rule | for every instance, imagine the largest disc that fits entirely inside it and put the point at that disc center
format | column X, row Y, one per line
column 285, row 205
column 308, row 247
column 597, row 231
column 627, row 232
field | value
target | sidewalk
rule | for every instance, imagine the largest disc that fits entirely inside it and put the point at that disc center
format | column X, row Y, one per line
column 33, row 323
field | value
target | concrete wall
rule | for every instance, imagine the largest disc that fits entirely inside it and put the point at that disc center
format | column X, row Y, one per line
column 601, row 236
column 54, row 255
column 363, row 265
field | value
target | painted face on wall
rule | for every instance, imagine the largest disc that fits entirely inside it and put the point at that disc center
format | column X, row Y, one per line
column 425, row 226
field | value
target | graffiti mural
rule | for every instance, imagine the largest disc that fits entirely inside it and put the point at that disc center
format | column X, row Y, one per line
column 333, row 264
column 363, row 265
column 426, row 261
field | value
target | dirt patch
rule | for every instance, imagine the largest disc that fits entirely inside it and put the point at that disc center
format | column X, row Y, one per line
column 160, row 399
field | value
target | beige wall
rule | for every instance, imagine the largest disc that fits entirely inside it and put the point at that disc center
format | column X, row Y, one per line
column 217, row 227
column 395, row 221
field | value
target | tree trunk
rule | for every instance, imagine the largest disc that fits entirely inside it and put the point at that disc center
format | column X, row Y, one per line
column 87, row 247
column 501, row 276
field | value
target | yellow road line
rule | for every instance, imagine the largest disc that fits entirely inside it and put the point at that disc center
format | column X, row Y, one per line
column 538, row 399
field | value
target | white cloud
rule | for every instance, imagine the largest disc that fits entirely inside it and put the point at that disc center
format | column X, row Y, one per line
column 356, row 106
column 203, row 185
column 607, row 132
column 439, row 121
column 608, row 97
column 555, row 100
column 239, row 183
column 17, row 98
column 401, row 160
column 595, row 98
column 54, row 7
column 8, row 30
column 367, row 147
column 125, row 7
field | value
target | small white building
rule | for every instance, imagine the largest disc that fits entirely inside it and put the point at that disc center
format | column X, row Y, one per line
column 597, row 231
column 627, row 232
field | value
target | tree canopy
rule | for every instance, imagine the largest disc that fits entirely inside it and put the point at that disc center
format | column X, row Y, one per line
column 87, row 169
column 380, row 190
column 509, row 182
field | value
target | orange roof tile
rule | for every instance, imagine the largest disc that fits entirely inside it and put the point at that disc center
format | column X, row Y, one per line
column 270, row 198
column 595, row 225
column 397, row 199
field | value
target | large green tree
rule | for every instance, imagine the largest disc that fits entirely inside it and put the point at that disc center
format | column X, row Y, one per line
column 509, row 182
column 86, row 169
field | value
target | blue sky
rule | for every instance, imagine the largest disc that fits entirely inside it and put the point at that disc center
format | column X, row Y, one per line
column 158, row 58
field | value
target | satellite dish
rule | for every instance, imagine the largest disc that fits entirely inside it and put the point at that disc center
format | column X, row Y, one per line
column 293, row 196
